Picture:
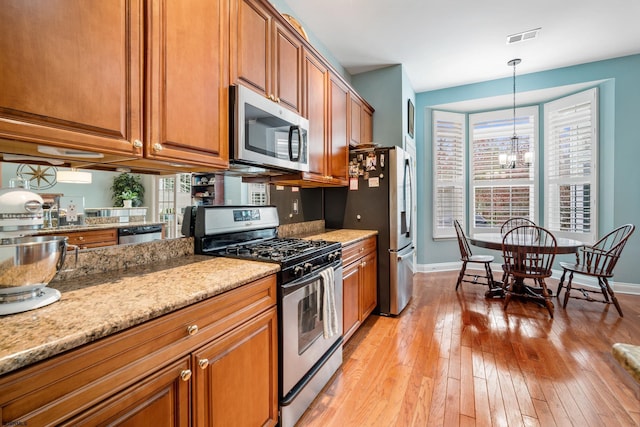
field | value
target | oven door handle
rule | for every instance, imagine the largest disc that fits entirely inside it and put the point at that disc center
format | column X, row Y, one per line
column 291, row 287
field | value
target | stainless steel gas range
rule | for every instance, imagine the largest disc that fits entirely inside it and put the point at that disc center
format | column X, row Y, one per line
column 309, row 294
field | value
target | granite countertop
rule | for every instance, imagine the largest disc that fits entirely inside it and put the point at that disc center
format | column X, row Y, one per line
column 344, row 236
column 87, row 227
column 111, row 289
column 97, row 305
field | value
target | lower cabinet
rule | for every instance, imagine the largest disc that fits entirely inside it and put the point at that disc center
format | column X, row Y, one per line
column 360, row 284
column 212, row 363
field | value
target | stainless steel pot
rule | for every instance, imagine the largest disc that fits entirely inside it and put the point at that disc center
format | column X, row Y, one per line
column 29, row 263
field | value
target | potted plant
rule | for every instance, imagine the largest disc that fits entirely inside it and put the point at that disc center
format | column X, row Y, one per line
column 127, row 187
column 127, row 198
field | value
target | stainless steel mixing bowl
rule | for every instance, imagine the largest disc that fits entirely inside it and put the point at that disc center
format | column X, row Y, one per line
column 27, row 263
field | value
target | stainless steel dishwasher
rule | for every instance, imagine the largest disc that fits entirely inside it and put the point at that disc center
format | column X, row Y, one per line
column 139, row 234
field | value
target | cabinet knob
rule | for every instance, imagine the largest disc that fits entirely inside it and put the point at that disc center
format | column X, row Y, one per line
column 203, row 363
column 185, row 375
column 361, row 249
column 275, row 98
column 364, row 263
column 137, row 144
column 80, row 238
column 157, row 147
column 192, row 329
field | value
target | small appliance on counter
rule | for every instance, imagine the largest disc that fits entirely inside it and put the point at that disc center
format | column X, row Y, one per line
column 27, row 264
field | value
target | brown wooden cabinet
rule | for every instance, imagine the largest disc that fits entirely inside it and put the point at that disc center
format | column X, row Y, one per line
column 71, row 75
column 74, row 78
column 315, row 109
column 338, row 141
column 235, row 376
column 151, row 374
column 360, row 283
column 366, row 124
column 92, row 238
column 265, row 55
column 187, row 97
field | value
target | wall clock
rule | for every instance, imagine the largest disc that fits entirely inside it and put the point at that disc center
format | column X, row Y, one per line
column 39, row 177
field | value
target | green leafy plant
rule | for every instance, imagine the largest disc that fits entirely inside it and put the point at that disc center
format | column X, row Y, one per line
column 127, row 187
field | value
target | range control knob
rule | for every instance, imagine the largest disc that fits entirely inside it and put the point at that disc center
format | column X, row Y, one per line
column 331, row 257
column 298, row 271
column 308, row 267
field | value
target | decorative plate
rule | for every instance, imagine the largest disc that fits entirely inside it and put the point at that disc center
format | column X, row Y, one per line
column 39, row 177
column 295, row 24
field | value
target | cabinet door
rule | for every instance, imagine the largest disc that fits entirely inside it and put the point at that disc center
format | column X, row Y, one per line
column 251, row 45
column 356, row 108
column 71, row 75
column 188, row 80
column 351, row 299
column 162, row 399
column 287, row 68
column 339, row 136
column 315, row 78
column 366, row 125
column 236, row 376
column 369, row 285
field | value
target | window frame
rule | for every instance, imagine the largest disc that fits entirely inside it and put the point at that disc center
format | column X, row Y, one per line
column 459, row 182
column 533, row 179
column 552, row 223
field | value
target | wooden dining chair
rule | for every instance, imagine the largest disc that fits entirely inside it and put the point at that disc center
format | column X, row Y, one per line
column 528, row 252
column 510, row 224
column 597, row 260
column 467, row 257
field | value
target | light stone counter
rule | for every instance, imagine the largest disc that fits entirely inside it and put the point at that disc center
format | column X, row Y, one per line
column 97, row 305
column 344, row 236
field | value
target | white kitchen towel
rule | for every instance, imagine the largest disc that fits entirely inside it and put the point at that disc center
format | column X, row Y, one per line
column 329, row 311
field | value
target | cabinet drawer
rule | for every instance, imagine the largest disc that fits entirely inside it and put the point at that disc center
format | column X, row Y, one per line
column 352, row 252
column 93, row 238
column 54, row 390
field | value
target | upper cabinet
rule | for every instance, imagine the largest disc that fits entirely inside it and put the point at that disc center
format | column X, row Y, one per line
column 71, row 75
column 187, row 96
column 265, row 55
column 144, row 84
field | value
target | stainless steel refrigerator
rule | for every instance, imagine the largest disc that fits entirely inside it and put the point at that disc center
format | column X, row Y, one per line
column 380, row 197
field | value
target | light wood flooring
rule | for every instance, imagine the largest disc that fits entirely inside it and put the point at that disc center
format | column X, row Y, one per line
column 457, row 359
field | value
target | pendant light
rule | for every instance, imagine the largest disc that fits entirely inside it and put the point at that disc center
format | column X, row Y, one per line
column 509, row 160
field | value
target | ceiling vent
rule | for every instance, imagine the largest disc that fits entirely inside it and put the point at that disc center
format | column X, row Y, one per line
column 523, row 36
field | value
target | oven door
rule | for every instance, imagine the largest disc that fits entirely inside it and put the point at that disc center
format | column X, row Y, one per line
column 303, row 343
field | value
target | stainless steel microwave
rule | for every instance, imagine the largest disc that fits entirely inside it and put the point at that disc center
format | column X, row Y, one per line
column 265, row 134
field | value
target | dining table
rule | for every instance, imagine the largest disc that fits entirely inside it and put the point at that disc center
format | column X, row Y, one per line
column 494, row 241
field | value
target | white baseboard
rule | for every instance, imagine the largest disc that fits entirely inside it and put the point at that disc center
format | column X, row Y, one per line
column 591, row 282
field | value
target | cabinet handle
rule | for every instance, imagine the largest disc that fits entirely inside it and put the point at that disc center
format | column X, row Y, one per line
column 203, row 363
column 192, row 329
column 157, row 147
column 185, row 375
column 275, row 98
column 80, row 238
column 361, row 249
column 137, row 144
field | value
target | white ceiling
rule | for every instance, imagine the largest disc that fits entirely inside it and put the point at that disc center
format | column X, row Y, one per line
column 454, row 42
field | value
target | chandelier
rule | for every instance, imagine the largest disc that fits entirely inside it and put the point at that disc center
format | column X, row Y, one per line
column 509, row 160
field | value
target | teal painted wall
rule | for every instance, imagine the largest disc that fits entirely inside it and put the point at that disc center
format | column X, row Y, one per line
column 382, row 89
column 282, row 7
column 619, row 174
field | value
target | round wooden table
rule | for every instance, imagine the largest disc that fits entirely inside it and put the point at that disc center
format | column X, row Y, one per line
column 494, row 241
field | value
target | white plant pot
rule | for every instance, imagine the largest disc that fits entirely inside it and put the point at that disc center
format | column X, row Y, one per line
column 127, row 203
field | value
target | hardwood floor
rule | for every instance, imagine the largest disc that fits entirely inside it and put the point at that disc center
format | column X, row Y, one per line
column 456, row 358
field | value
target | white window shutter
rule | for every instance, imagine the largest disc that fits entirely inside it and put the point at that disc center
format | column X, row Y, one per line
column 498, row 194
column 449, row 181
column 571, row 147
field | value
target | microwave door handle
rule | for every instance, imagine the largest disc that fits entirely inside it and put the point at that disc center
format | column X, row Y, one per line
column 291, row 130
